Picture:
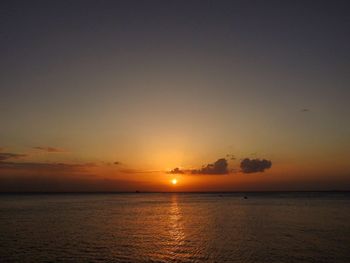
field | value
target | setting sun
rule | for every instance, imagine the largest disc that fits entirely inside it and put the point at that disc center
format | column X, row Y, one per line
column 174, row 181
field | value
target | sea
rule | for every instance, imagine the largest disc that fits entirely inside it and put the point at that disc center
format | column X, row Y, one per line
column 176, row 227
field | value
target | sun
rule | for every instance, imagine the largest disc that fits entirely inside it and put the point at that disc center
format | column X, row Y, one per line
column 174, row 181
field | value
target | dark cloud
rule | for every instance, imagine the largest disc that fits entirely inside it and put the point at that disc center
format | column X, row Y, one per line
column 36, row 166
column 176, row 171
column 7, row 156
column 218, row 167
column 255, row 165
column 49, row 149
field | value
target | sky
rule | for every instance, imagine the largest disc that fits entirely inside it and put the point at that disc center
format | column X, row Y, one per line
column 220, row 95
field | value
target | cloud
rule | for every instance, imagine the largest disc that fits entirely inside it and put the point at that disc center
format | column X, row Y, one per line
column 49, row 149
column 305, row 110
column 7, row 156
column 117, row 163
column 218, row 167
column 36, row 166
column 176, row 171
column 255, row 165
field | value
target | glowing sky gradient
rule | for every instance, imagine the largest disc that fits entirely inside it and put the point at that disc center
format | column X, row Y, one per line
column 112, row 95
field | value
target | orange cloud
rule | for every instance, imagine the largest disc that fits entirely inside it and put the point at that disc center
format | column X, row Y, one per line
column 50, row 149
column 7, row 156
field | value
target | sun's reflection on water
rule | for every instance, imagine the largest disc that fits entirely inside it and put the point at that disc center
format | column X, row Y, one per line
column 176, row 241
column 176, row 229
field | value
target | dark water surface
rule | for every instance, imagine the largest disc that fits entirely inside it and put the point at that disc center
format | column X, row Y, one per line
column 289, row 227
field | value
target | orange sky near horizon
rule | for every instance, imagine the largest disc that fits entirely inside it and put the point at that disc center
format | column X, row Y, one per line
column 29, row 173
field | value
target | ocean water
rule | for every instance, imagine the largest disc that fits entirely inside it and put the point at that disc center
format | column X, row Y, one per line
column 265, row 227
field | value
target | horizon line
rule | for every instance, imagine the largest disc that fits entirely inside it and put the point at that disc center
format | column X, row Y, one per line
column 173, row 192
